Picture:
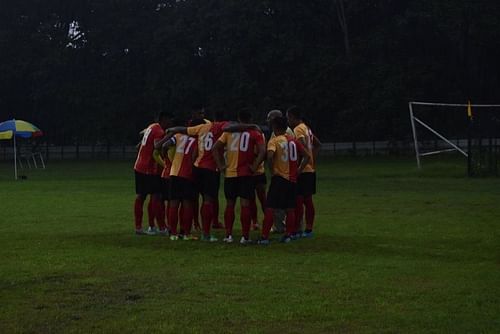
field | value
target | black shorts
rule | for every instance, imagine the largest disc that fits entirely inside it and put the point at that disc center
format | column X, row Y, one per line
column 146, row 184
column 207, row 181
column 260, row 179
column 306, row 184
column 282, row 194
column 241, row 186
column 165, row 190
column 182, row 189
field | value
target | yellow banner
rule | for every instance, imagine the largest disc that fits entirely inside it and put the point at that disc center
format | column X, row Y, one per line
column 469, row 110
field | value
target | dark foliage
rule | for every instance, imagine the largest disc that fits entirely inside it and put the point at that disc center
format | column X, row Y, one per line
column 352, row 65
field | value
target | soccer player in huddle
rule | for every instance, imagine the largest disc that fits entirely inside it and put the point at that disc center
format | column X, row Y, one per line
column 205, row 172
column 260, row 190
column 147, row 174
column 279, row 215
column 287, row 158
column 306, row 184
column 182, row 186
column 240, row 166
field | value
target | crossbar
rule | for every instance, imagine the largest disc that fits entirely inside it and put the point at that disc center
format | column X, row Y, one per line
column 455, row 105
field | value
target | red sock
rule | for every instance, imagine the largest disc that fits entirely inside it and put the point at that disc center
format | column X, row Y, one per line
column 206, row 217
column 253, row 211
column 159, row 210
column 187, row 219
column 215, row 217
column 310, row 212
column 299, row 212
column 268, row 223
column 245, row 217
column 173, row 216
column 229, row 219
column 138, row 204
column 290, row 222
column 151, row 213
column 261, row 194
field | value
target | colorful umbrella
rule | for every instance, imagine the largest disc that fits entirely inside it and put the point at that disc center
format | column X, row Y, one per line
column 12, row 129
column 20, row 128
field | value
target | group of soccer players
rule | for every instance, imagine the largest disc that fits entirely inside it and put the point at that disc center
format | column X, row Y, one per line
column 177, row 164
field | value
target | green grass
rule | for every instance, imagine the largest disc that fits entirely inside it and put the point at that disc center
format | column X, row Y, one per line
column 395, row 251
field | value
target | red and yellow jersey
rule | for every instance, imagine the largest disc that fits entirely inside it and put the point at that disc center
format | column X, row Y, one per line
column 302, row 131
column 207, row 136
column 145, row 162
column 240, row 151
column 261, row 170
column 182, row 163
column 167, row 160
column 286, row 155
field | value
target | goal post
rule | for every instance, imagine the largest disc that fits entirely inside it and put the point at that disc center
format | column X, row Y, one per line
column 463, row 147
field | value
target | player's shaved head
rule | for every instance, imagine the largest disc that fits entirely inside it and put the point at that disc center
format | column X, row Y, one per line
column 294, row 115
column 165, row 119
column 273, row 114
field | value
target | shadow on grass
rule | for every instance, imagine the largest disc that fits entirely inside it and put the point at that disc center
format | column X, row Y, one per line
column 449, row 250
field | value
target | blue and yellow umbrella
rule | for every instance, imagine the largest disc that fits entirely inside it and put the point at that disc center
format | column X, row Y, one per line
column 20, row 128
column 17, row 128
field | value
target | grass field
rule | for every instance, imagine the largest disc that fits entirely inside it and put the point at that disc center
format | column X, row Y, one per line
column 395, row 251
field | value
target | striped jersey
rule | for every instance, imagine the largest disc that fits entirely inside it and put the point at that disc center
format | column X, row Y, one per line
column 303, row 131
column 182, row 163
column 207, row 136
column 145, row 163
column 240, row 151
column 261, row 170
column 286, row 151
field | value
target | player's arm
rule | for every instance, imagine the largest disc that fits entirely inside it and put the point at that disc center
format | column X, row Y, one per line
column 157, row 158
column 270, row 160
column 167, row 144
column 217, row 152
column 261, row 155
column 240, row 127
column 159, row 143
column 178, row 129
column 316, row 146
column 305, row 157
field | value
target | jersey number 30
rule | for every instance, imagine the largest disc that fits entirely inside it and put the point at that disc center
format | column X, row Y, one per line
column 289, row 151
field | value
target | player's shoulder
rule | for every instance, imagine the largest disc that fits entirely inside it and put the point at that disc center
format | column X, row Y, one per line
column 220, row 124
column 154, row 126
column 275, row 139
column 300, row 127
column 216, row 126
column 300, row 130
column 254, row 133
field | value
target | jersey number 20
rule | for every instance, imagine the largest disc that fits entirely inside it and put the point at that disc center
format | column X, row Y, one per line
column 240, row 141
